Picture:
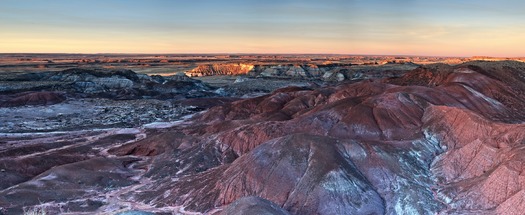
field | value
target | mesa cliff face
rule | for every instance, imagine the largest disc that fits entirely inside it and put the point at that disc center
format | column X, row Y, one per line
column 439, row 139
column 326, row 72
column 220, row 69
column 330, row 72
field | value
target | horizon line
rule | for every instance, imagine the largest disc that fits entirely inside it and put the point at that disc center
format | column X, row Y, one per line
column 247, row 53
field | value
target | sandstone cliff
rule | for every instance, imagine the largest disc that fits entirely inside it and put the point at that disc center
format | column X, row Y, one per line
column 331, row 72
column 220, row 69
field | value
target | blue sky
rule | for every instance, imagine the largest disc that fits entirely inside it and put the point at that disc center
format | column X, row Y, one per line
column 452, row 28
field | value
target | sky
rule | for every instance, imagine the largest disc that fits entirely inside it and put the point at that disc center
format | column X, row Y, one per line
column 373, row 27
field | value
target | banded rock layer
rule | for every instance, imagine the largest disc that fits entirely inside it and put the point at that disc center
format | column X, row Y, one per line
column 439, row 139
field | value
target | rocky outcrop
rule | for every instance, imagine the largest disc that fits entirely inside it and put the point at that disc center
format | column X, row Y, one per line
column 220, row 69
column 114, row 84
column 306, row 71
column 76, row 75
column 286, row 71
column 329, row 72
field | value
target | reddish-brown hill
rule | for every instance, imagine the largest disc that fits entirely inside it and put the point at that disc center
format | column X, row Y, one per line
column 364, row 148
column 439, row 139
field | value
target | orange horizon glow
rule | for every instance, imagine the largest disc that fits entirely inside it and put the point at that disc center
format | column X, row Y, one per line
column 470, row 28
column 244, row 45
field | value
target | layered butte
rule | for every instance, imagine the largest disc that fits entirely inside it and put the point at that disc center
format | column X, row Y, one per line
column 221, row 69
column 333, row 72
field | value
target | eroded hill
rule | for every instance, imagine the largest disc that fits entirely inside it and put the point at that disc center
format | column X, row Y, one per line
column 438, row 139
